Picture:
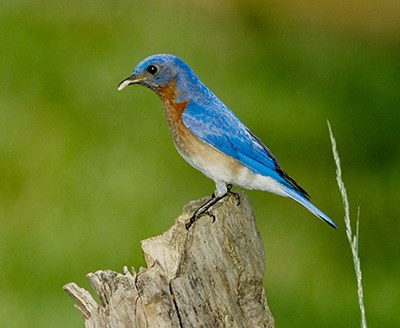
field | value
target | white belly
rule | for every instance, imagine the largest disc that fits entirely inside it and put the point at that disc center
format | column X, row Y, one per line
column 224, row 170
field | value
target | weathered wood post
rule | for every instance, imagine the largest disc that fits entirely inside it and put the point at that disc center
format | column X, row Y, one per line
column 209, row 276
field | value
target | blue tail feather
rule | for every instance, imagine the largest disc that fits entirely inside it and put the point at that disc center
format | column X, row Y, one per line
column 308, row 205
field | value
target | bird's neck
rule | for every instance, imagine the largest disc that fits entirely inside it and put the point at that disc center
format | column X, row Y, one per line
column 173, row 108
column 166, row 92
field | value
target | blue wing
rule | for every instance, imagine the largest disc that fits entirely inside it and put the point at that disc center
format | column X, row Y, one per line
column 217, row 126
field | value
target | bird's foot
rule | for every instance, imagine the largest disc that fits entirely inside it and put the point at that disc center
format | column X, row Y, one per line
column 204, row 210
column 197, row 214
column 211, row 215
column 235, row 194
column 191, row 221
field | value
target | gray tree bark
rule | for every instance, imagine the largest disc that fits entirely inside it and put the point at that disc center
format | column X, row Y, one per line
column 209, row 276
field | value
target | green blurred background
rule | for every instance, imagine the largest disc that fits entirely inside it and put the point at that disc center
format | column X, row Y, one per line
column 86, row 172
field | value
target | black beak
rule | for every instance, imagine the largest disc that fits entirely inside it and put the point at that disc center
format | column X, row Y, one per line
column 130, row 80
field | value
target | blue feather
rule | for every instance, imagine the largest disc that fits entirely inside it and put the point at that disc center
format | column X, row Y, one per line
column 212, row 122
column 308, row 205
column 217, row 126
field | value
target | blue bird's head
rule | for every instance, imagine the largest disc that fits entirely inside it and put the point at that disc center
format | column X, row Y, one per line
column 158, row 71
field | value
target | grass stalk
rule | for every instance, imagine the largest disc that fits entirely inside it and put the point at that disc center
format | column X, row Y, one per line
column 353, row 239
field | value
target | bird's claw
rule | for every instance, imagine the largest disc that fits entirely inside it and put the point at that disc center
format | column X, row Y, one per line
column 205, row 208
column 191, row 221
column 197, row 215
column 235, row 194
column 211, row 215
column 237, row 197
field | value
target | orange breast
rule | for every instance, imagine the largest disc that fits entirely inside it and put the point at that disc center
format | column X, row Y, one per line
column 204, row 157
column 173, row 110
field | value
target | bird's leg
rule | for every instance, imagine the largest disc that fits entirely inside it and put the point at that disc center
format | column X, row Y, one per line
column 235, row 194
column 204, row 209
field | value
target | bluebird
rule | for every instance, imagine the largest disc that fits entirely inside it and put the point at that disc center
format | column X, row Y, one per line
column 209, row 136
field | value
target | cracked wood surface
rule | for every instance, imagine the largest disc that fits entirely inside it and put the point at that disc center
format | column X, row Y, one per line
column 209, row 276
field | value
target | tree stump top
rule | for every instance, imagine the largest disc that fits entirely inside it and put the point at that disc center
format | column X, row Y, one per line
column 209, row 276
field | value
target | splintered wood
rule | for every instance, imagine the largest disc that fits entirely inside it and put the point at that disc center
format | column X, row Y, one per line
column 209, row 276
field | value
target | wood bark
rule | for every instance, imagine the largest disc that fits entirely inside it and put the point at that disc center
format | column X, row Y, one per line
column 209, row 276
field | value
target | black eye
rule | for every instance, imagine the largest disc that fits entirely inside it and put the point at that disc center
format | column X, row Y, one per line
column 152, row 69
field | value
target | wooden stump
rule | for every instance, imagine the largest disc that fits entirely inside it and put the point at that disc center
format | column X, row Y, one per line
column 209, row 276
